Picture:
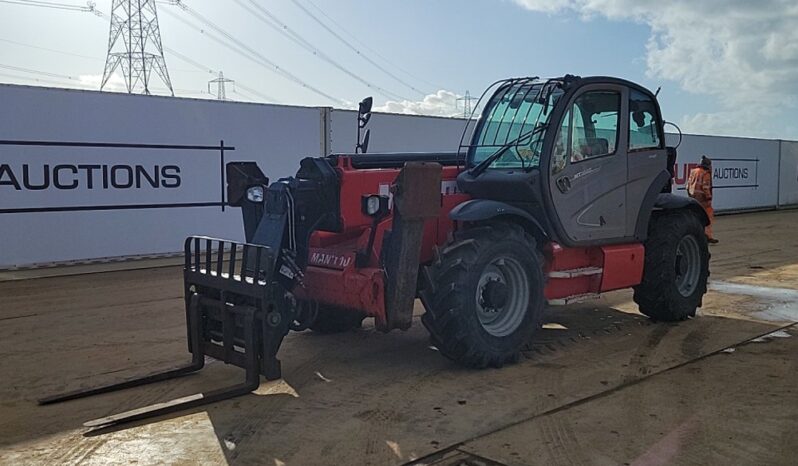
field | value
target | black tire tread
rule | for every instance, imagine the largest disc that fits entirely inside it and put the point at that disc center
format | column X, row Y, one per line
column 654, row 296
column 443, row 285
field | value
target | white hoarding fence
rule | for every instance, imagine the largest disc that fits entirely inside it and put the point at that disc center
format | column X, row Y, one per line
column 91, row 175
column 788, row 174
column 395, row 133
column 744, row 171
column 54, row 176
column 87, row 175
column 735, row 173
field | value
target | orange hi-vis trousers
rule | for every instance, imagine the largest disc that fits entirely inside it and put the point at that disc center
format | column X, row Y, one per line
column 711, row 214
column 699, row 187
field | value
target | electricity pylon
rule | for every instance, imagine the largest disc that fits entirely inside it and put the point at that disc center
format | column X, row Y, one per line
column 134, row 44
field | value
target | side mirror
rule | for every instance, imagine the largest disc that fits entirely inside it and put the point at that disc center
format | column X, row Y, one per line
column 364, row 111
column 363, row 117
column 364, row 107
column 362, row 120
column 363, row 147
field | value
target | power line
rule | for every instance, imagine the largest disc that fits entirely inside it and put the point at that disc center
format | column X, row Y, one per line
column 200, row 66
column 46, row 81
column 248, row 52
column 53, row 5
column 207, row 69
column 191, row 91
column 49, row 50
column 366, row 46
column 42, row 73
column 275, row 23
column 87, row 57
column 244, row 95
column 69, row 80
column 210, row 70
column 204, row 68
column 255, row 92
column 253, row 55
column 353, row 48
column 190, row 61
column 72, row 81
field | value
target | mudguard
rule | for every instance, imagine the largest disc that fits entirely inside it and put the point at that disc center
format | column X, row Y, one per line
column 668, row 201
column 477, row 210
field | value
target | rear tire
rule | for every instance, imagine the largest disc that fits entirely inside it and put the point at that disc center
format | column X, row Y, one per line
column 336, row 320
column 484, row 295
column 676, row 267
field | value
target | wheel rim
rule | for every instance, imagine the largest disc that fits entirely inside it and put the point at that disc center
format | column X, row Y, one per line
column 688, row 265
column 502, row 296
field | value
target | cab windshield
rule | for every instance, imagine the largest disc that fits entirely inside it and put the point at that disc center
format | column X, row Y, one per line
column 514, row 122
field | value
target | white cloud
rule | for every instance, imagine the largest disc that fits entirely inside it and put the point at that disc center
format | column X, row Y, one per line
column 743, row 52
column 547, row 6
column 727, row 123
column 441, row 103
column 115, row 82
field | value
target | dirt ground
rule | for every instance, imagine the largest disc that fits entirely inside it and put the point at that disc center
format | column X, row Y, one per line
column 600, row 384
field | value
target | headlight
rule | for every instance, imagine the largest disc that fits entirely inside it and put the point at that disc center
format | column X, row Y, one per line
column 372, row 205
column 375, row 205
column 255, row 194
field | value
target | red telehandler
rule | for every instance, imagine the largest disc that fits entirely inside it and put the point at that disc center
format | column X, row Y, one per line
column 560, row 191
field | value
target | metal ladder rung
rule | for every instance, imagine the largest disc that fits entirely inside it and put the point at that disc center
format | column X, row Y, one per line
column 580, row 272
column 578, row 298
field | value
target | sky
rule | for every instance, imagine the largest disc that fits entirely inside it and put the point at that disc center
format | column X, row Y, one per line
column 725, row 67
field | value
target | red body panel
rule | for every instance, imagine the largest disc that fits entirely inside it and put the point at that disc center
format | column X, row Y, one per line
column 562, row 259
column 332, row 277
column 623, row 266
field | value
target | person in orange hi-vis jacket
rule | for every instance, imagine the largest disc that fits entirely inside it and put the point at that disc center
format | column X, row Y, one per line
column 699, row 187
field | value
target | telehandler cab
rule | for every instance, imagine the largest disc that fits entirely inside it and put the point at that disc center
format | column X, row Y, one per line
column 559, row 191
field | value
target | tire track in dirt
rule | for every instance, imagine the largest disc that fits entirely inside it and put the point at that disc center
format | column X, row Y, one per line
column 580, row 333
column 244, row 433
column 561, row 442
column 637, row 367
column 367, row 426
column 431, row 458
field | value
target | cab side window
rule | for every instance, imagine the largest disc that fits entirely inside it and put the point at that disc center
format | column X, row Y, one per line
column 560, row 153
column 594, row 127
column 643, row 133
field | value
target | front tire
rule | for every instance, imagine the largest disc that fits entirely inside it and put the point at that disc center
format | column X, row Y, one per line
column 676, row 267
column 484, row 295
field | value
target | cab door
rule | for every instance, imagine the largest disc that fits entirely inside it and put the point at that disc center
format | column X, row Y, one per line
column 648, row 159
column 589, row 166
